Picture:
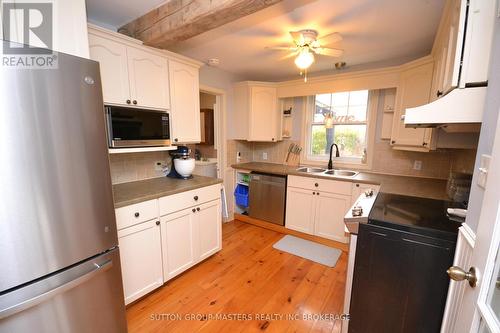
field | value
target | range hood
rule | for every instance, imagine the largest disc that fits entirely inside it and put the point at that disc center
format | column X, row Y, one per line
column 460, row 108
column 466, row 58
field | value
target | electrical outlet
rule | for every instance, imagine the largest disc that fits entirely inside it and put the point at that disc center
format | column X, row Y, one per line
column 264, row 156
column 158, row 165
column 238, row 157
column 417, row 165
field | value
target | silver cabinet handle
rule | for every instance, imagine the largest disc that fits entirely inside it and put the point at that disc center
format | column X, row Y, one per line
column 32, row 300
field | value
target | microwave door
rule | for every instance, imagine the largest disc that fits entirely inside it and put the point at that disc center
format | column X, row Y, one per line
column 131, row 127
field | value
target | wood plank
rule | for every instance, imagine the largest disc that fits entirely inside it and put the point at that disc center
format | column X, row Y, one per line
column 283, row 230
column 178, row 20
column 247, row 276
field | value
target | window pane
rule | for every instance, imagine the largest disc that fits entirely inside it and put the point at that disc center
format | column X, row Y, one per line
column 351, row 139
column 318, row 142
column 358, row 97
column 357, row 113
column 340, row 99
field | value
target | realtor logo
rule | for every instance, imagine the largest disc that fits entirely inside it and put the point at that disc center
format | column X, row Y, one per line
column 28, row 35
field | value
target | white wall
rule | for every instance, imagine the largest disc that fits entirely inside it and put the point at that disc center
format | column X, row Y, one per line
column 488, row 128
column 219, row 79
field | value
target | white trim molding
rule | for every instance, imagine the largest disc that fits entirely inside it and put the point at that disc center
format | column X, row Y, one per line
column 463, row 257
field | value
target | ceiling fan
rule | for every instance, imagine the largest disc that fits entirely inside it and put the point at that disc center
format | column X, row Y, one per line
column 306, row 45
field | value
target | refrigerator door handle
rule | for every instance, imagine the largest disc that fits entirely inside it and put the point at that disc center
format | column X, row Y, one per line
column 32, row 300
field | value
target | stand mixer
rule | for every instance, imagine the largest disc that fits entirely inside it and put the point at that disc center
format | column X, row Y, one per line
column 182, row 164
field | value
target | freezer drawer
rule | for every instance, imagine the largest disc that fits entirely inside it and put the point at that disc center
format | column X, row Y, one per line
column 267, row 198
column 87, row 297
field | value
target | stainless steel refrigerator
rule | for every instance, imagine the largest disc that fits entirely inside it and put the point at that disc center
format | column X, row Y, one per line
column 59, row 260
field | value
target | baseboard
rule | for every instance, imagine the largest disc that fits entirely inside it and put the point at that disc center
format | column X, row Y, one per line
column 283, row 230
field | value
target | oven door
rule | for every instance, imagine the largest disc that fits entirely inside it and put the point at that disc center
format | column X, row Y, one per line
column 131, row 127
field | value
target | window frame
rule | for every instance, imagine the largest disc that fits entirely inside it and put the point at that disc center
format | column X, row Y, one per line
column 340, row 162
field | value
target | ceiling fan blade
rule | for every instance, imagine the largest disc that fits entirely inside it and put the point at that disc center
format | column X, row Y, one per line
column 280, row 48
column 330, row 52
column 330, row 38
column 289, row 55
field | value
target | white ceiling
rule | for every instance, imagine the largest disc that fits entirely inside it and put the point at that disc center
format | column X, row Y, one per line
column 375, row 33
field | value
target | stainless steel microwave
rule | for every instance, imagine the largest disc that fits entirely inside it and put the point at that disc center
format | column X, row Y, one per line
column 131, row 127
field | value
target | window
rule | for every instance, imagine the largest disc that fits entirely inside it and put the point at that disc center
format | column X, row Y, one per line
column 339, row 118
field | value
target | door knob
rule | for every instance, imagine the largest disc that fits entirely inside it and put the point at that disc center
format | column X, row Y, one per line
column 458, row 274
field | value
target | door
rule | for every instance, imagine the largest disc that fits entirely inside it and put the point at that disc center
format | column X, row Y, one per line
column 149, row 86
column 179, row 242
column 55, row 169
column 263, row 114
column 85, row 298
column 140, row 255
column 112, row 58
column 209, row 225
column 480, row 306
column 329, row 217
column 185, row 94
column 414, row 90
column 300, row 209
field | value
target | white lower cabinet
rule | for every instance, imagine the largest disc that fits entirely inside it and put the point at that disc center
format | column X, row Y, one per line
column 140, row 257
column 317, row 206
column 300, row 210
column 329, row 218
column 154, row 251
column 178, row 242
column 189, row 236
column 210, row 228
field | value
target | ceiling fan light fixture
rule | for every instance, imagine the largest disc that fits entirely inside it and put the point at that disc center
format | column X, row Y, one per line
column 305, row 59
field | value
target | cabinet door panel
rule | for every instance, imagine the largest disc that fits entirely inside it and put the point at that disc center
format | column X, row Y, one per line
column 300, row 210
column 397, row 261
column 112, row 58
column 209, row 223
column 179, row 239
column 329, row 218
column 140, row 256
column 263, row 114
column 185, row 91
column 149, row 84
column 414, row 90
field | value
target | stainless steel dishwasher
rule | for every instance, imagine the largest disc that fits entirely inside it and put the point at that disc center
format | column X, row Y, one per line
column 267, row 197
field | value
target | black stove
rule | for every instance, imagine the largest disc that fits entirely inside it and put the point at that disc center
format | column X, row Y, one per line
column 421, row 216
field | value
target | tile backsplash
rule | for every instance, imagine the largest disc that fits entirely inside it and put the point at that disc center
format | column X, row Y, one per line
column 435, row 164
column 137, row 166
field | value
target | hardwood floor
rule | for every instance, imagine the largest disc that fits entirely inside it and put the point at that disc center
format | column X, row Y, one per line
column 247, row 277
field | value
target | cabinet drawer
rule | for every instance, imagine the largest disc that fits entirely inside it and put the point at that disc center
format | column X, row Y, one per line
column 133, row 214
column 326, row 185
column 179, row 201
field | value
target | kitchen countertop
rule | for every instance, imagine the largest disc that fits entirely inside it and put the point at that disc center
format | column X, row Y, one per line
column 403, row 185
column 130, row 193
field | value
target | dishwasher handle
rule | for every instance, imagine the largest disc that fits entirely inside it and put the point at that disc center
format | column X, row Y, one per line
column 262, row 178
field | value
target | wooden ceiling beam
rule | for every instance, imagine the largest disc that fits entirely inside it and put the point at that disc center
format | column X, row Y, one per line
column 178, row 20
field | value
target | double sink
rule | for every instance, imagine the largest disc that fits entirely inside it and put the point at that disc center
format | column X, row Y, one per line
column 325, row 172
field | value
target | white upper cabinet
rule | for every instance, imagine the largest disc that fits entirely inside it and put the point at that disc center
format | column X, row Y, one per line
column 112, row 58
column 134, row 75
column 256, row 116
column 185, row 91
column 130, row 76
column 414, row 90
column 262, row 117
column 148, row 75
